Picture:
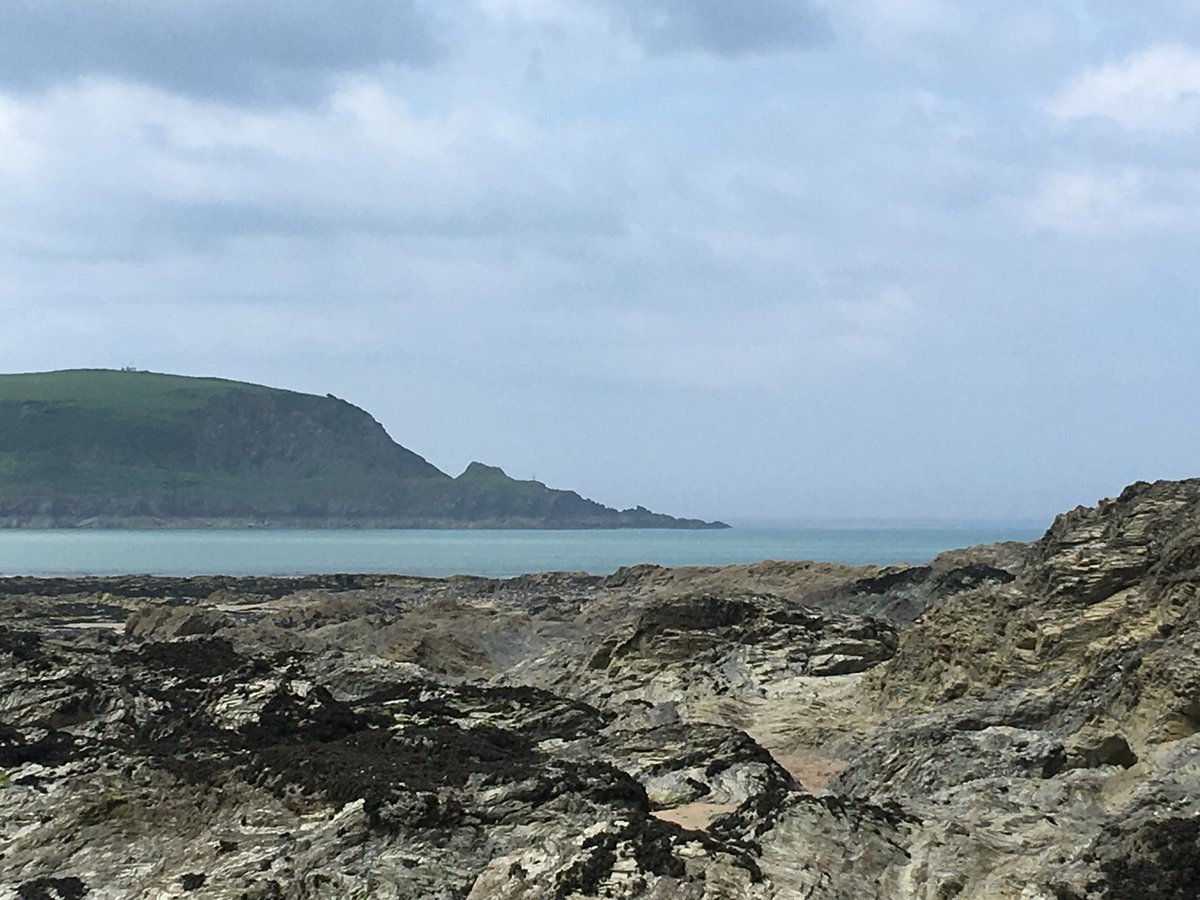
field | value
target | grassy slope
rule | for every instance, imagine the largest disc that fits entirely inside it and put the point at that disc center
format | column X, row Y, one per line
column 140, row 394
column 102, row 432
column 81, row 444
column 60, row 430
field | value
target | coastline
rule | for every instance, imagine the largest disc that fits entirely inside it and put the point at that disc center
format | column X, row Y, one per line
column 445, row 552
column 325, row 523
column 1001, row 717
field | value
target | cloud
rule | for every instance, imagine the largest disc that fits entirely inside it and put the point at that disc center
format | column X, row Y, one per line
column 229, row 49
column 895, row 24
column 721, row 27
column 699, row 212
column 110, row 169
column 1154, row 92
column 766, row 347
column 876, row 327
column 1101, row 204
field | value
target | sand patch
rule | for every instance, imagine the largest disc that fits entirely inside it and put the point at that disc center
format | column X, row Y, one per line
column 695, row 816
column 813, row 772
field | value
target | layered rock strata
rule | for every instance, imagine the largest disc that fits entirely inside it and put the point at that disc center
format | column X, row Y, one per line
column 1005, row 722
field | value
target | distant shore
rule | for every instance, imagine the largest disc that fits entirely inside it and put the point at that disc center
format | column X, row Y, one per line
column 136, row 523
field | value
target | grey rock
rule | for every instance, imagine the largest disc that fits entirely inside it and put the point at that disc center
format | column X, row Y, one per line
column 987, row 726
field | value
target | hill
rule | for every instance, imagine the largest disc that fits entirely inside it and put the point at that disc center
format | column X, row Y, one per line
column 140, row 449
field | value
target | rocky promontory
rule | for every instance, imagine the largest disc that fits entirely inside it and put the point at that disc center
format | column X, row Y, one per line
column 1011, row 721
column 128, row 449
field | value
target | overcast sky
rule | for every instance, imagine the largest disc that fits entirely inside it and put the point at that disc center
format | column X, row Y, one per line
column 757, row 259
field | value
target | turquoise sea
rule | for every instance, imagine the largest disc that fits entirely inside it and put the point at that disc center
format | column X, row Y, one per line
column 498, row 554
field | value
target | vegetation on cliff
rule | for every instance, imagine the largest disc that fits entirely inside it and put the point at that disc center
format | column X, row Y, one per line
column 101, row 447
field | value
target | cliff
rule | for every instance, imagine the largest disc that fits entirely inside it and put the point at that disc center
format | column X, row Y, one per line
column 137, row 449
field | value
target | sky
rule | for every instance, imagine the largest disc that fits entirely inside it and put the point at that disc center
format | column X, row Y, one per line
column 773, row 259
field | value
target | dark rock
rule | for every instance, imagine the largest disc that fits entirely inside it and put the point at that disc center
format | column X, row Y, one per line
column 53, row 889
column 1033, row 732
column 1112, row 750
column 192, row 881
column 1152, row 856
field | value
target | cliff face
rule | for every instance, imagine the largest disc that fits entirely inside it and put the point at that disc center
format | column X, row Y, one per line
column 283, row 434
column 140, row 449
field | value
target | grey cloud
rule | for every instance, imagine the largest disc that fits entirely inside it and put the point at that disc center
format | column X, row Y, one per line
column 227, row 49
column 724, row 27
column 191, row 224
column 144, row 228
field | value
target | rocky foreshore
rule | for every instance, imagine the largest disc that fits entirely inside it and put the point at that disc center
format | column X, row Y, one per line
column 1010, row 721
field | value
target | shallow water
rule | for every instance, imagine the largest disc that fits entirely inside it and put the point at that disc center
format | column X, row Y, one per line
column 497, row 554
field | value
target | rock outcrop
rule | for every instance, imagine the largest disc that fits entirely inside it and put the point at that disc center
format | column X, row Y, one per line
column 1007, row 722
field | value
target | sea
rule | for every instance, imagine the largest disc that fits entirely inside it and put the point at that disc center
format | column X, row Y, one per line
column 494, row 554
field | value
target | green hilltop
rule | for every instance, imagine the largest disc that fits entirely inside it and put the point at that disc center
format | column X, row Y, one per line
column 97, row 447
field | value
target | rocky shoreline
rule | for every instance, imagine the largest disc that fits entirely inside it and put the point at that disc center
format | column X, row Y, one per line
column 1010, row 721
